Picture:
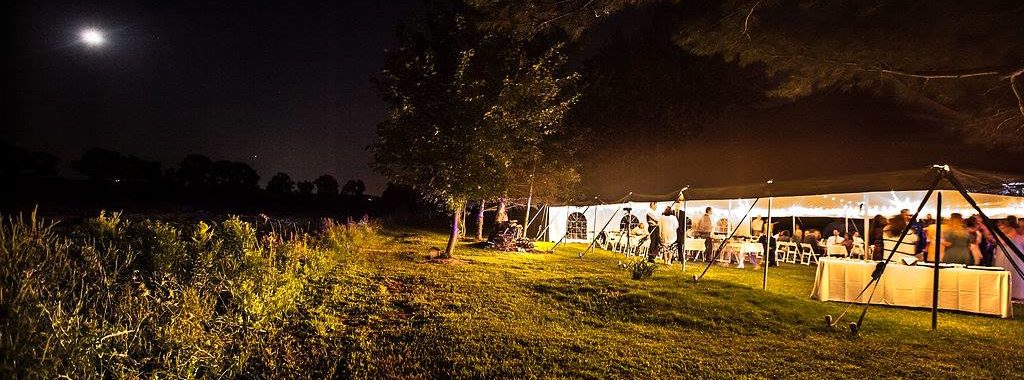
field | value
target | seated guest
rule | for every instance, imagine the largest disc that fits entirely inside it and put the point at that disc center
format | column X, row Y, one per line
column 639, row 230
column 784, row 236
column 848, row 243
column 835, row 239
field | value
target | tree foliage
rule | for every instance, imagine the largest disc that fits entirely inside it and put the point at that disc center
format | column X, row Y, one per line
column 354, row 187
column 280, row 183
column 962, row 59
column 326, row 185
column 473, row 113
column 470, row 109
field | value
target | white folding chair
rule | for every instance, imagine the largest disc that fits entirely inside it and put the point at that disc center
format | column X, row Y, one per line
column 807, row 255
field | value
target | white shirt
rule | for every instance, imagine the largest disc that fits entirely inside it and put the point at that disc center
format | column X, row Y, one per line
column 834, row 240
column 667, row 229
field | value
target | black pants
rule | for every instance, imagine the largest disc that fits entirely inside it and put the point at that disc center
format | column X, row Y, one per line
column 708, row 244
column 655, row 246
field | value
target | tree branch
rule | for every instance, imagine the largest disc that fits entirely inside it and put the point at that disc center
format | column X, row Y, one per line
column 564, row 15
column 1014, row 85
column 955, row 74
column 746, row 21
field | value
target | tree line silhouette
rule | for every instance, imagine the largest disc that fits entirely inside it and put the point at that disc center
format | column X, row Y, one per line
column 198, row 183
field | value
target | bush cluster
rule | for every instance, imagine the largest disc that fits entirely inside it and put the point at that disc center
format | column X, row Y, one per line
column 640, row 269
column 113, row 298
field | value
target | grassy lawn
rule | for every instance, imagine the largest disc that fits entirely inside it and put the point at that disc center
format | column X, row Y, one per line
column 492, row 314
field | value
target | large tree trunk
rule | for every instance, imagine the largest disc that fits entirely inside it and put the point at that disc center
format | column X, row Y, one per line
column 462, row 222
column 454, row 237
column 502, row 215
column 526, row 219
column 480, row 221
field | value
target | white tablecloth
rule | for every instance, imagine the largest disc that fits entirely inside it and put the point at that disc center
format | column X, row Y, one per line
column 694, row 244
column 970, row 290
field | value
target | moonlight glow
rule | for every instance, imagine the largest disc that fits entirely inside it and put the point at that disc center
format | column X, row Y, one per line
column 92, row 37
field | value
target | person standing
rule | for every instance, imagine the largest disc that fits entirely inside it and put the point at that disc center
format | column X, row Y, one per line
column 957, row 241
column 702, row 230
column 756, row 226
column 653, row 230
column 877, row 237
column 668, row 229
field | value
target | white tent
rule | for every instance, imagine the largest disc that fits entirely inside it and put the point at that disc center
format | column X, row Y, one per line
column 848, row 205
column 822, row 197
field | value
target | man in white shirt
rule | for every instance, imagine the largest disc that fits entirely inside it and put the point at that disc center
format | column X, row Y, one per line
column 835, row 239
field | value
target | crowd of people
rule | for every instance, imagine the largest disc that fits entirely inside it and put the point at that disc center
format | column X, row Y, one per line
column 962, row 240
column 965, row 241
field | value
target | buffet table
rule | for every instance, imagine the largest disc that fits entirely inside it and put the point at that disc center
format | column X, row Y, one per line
column 979, row 291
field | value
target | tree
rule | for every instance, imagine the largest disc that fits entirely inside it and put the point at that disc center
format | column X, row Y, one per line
column 354, row 187
column 470, row 110
column 280, row 183
column 18, row 161
column 971, row 75
column 305, row 187
column 194, row 171
column 326, row 185
column 235, row 176
column 104, row 164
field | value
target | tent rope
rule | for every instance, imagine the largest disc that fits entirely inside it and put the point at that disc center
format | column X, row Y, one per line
column 876, row 275
column 721, row 245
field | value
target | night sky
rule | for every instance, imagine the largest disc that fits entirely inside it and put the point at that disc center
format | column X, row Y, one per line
column 285, row 86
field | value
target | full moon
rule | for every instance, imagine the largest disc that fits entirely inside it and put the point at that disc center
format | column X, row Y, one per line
column 92, row 37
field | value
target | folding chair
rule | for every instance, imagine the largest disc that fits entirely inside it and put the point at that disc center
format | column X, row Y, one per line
column 807, row 255
column 792, row 252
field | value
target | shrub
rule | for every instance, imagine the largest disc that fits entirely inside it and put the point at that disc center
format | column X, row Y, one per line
column 640, row 269
column 150, row 300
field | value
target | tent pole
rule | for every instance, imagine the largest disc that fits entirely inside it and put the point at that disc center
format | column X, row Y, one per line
column 594, row 241
column 683, row 244
column 846, row 220
column 768, row 246
column 864, row 235
column 728, row 218
column 938, row 259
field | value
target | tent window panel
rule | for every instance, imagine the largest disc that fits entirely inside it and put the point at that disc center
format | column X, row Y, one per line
column 576, row 227
column 628, row 223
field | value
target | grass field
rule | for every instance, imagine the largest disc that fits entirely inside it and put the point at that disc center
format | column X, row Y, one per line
column 124, row 298
column 491, row 314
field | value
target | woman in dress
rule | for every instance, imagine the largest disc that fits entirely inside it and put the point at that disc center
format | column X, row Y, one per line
column 957, row 240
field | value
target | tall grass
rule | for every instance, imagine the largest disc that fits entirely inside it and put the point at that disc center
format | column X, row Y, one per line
column 113, row 298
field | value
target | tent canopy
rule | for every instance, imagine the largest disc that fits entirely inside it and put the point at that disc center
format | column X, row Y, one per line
column 975, row 181
column 854, row 197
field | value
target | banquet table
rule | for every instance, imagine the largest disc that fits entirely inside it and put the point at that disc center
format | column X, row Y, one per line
column 740, row 251
column 981, row 291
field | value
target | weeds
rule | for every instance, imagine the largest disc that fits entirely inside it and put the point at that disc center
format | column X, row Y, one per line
column 640, row 269
column 118, row 298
